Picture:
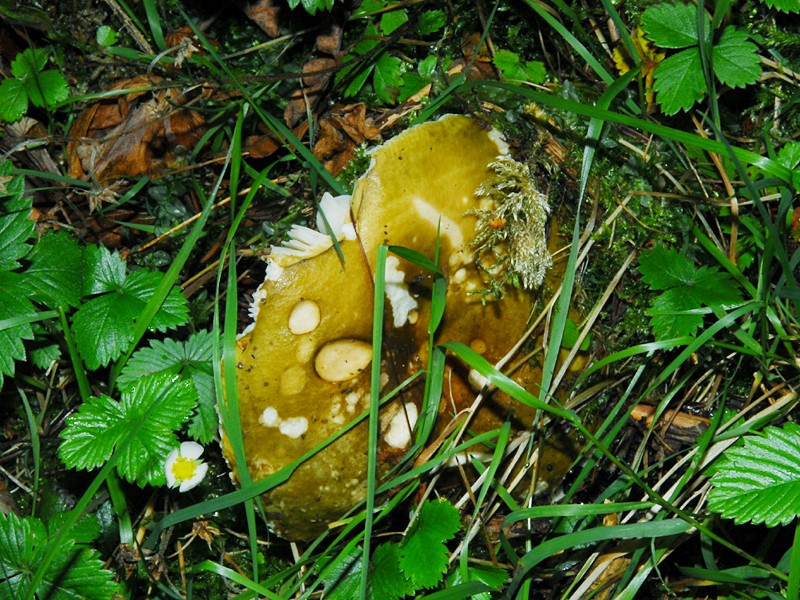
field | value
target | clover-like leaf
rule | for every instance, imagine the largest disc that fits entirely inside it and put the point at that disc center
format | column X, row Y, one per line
column 146, row 417
column 423, row 553
column 191, row 360
column 736, row 60
column 759, row 481
column 74, row 572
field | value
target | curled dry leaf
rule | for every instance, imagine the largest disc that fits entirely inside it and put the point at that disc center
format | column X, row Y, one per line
column 263, row 13
column 134, row 134
column 304, row 365
column 340, row 132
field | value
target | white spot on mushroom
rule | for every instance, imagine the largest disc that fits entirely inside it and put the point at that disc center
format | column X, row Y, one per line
column 384, row 379
column 293, row 380
column 258, row 299
column 397, row 291
column 446, row 225
column 343, row 359
column 294, row 427
column 401, row 425
column 269, row 418
column 305, row 350
column 460, row 276
column 304, row 318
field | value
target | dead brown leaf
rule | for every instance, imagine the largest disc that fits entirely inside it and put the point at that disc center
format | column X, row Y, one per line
column 263, row 13
column 134, row 134
column 341, row 131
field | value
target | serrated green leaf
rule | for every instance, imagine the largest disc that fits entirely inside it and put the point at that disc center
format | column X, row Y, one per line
column 679, row 81
column 673, row 25
column 388, row 581
column 16, row 227
column 154, row 408
column 685, row 288
column 669, row 317
column 191, row 360
column 44, row 356
column 13, row 303
column 393, row 19
column 663, row 268
column 423, row 553
column 388, row 77
column 105, row 271
column 736, row 60
column 759, row 481
column 73, row 573
column 15, row 99
column 787, row 6
column 29, row 62
column 175, row 309
column 431, row 21
column 54, row 276
column 427, row 67
column 103, row 328
column 789, row 155
column 46, row 89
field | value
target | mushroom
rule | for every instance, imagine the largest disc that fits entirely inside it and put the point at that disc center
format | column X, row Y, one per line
column 305, row 362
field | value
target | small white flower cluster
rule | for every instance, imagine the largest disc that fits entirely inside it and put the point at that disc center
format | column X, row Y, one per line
column 183, row 467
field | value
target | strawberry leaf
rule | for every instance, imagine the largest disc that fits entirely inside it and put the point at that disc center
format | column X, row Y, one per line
column 736, row 60
column 388, row 78
column 685, row 290
column 759, row 481
column 46, row 89
column 104, row 326
column 54, row 275
column 74, row 572
column 388, row 581
column 423, row 553
column 672, row 25
column 787, row 6
column 15, row 225
column 679, row 81
column 15, row 99
column 152, row 409
column 13, row 304
column 192, row 361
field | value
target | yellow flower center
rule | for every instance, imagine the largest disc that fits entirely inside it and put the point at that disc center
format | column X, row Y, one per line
column 184, row 468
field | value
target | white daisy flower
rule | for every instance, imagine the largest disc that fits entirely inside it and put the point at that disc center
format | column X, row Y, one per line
column 184, row 468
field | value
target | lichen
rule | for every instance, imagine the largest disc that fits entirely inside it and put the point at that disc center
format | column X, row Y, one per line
column 510, row 244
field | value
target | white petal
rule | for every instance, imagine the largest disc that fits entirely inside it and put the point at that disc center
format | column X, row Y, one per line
column 199, row 473
column 171, row 457
column 191, row 450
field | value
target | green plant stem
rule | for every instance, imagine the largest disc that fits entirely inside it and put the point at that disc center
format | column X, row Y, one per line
column 77, row 364
column 793, row 587
column 374, row 408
